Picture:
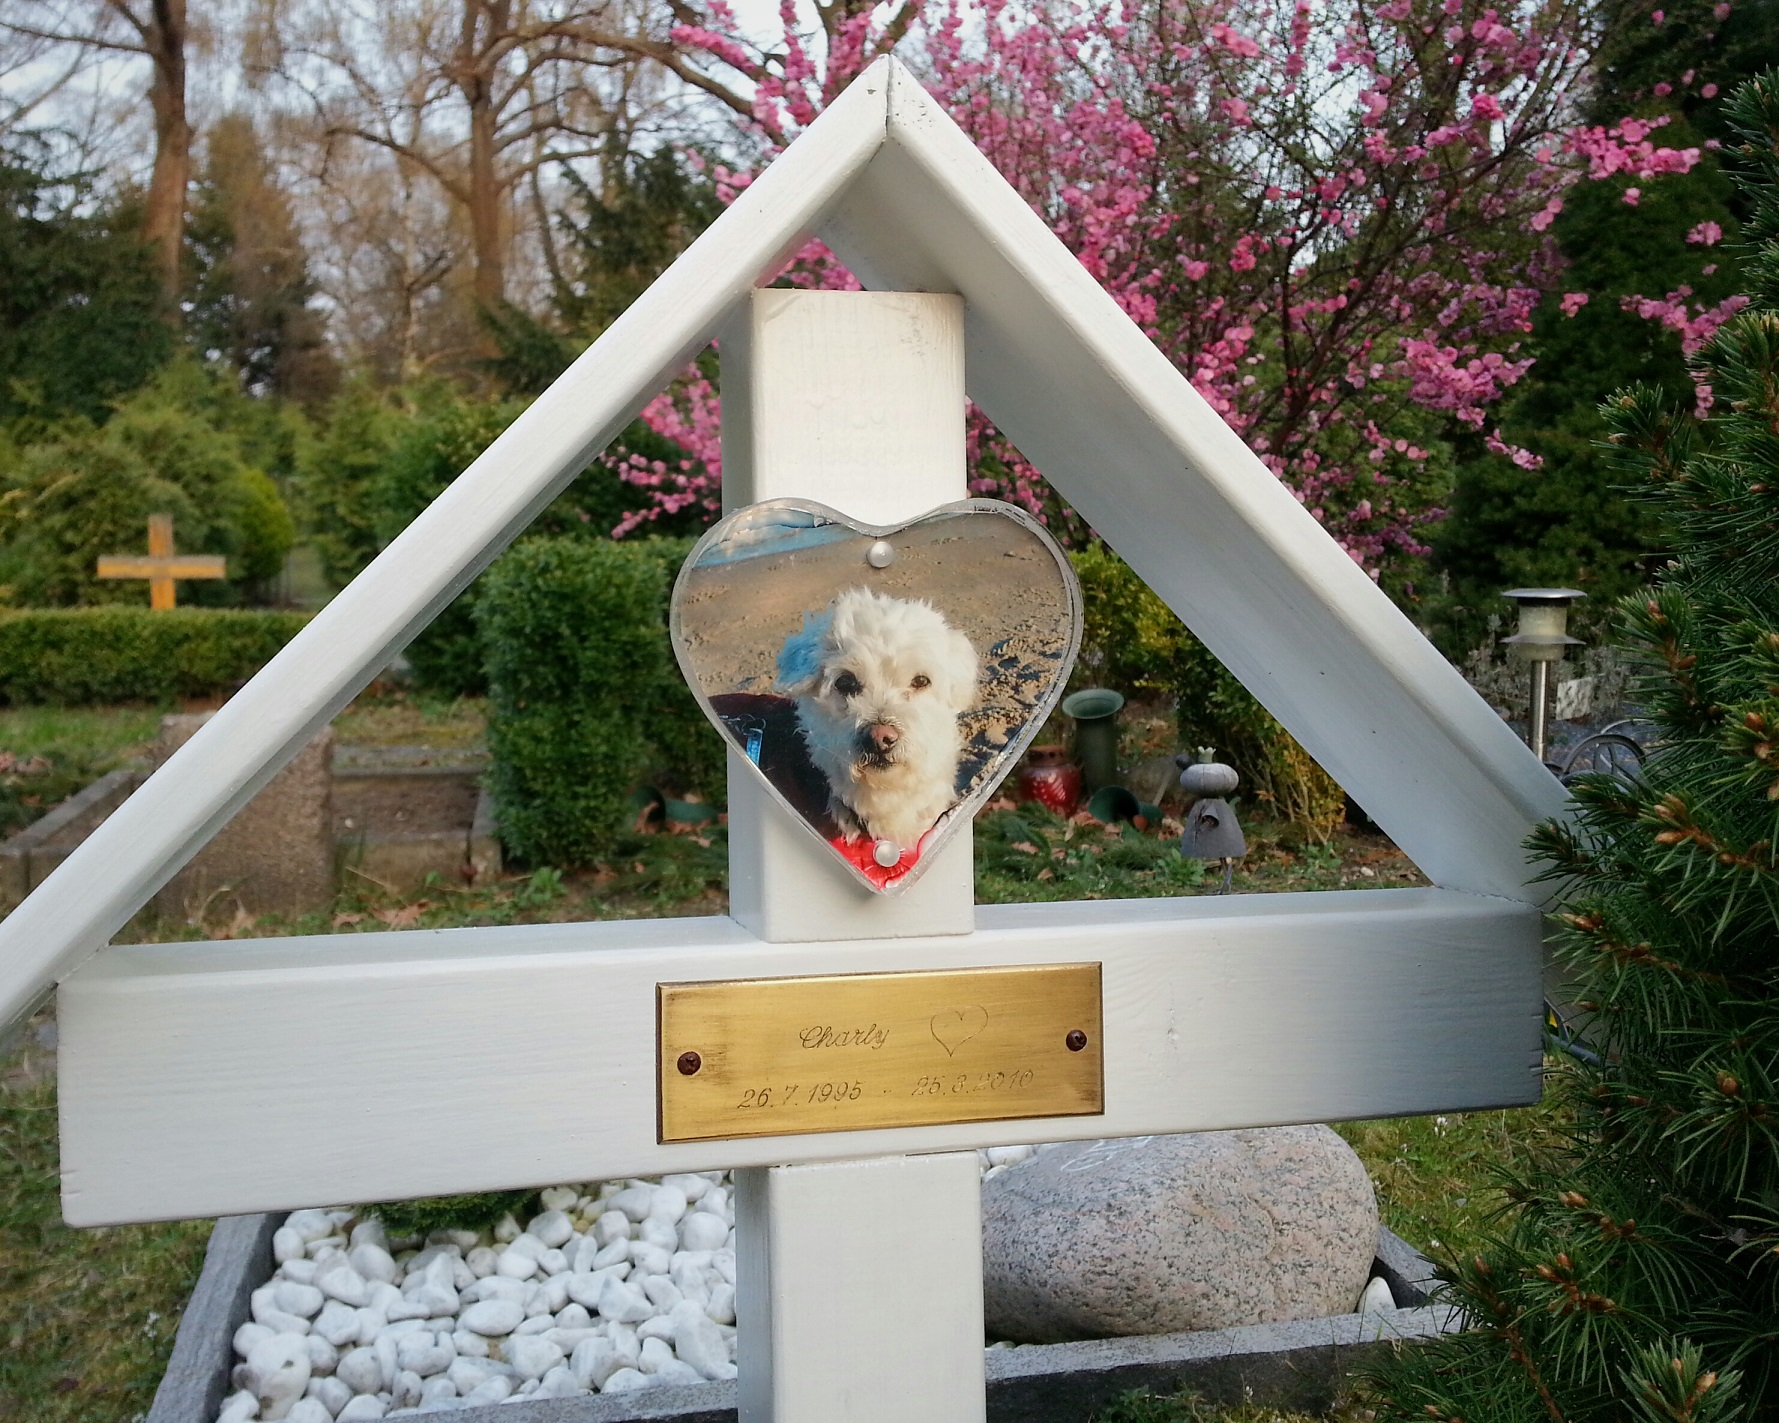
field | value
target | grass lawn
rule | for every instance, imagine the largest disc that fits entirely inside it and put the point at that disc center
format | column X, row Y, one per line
column 87, row 1317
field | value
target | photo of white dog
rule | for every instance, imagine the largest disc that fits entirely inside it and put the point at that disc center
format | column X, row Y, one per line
column 879, row 683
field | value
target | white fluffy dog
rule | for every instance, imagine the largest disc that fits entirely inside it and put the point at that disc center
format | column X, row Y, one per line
column 879, row 683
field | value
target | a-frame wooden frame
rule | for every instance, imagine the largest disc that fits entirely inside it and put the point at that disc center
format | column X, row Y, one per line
column 1232, row 1012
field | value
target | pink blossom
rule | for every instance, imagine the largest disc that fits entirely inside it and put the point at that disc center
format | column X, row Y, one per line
column 1710, row 90
column 1706, row 234
column 1162, row 145
column 1573, row 302
column 1631, row 196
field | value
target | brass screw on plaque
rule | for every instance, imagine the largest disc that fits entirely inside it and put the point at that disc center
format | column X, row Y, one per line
column 689, row 1062
column 1076, row 1040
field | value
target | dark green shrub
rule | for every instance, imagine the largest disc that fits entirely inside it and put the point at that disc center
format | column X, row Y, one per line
column 586, row 701
column 476, row 1211
column 79, row 492
column 71, row 656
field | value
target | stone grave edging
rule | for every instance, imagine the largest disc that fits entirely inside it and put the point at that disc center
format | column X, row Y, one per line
column 1296, row 1364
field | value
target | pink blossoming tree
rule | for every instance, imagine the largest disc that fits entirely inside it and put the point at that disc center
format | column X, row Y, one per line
column 1332, row 217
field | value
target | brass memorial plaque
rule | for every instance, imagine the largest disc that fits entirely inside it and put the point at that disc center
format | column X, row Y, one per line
column 849, row 1052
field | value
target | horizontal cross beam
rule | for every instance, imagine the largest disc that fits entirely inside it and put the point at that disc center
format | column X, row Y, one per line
column 211, row 1079
column 184, row 565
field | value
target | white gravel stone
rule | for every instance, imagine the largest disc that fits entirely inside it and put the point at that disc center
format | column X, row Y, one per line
column 656, row 1355
column 516, row 1265
column 406, row 1392
column 309, row 1225
column 495, row 1390
column 655, row 1328
column 532, row 1357
column 554, row 1293
column 370, row 1231
column 698, row 1342
column 278, row 1373
column 650, row 1259
column 559, row 1198
column 627, row 1380
column 667, row 1203
column 497, row 1287
column 371, row 1323
column 678, row 1372
column 559, row 1383
column 540, row 1323
column 292, row 1298
column 553, row 1227
column 661, row 1292
column 364, row 1409
column 506, row 1229
column 492, row 1317
column 238, row 1408
column 1375, row 1297
column 703, row 1231
column 323, row 1357
column 250, row 1334
column 594, row 1361
column 468, row 1345
column 337, row 1323
column 481, row 1261
column 611, row 1226
column 359, row 1370
column 423, row 1354
column 617, row 1253
column 689, row 1184
column 302, row 1271
column 573, row 1316
column 436, row 1390
column 309, row 1410
column 634, row 1202
column 338, row 1280
column 552, row 1262
column 623, row 1303
column 331, row 1393
column 372, row 1261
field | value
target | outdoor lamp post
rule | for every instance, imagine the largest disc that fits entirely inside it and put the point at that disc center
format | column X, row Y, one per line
column 1541, row 640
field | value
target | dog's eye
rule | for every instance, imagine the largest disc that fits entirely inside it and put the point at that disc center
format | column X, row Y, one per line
column 922, row 680
column 848, row 685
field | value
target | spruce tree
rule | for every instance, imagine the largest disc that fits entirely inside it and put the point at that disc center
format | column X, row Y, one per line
column 1636, row 1274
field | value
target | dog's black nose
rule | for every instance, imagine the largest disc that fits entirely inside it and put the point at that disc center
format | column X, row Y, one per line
column 884, row 737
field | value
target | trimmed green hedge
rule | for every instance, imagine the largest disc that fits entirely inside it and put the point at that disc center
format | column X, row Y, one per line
column 71, row 656
column 586, row 701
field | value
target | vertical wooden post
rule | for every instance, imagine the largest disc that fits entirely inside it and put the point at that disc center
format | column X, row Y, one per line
column 160, row 545
column 861, row 1283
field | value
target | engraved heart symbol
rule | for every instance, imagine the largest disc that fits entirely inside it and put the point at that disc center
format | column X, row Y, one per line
column 954, row 1027
column 881, row 681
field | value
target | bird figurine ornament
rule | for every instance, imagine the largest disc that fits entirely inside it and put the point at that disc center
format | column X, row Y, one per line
column 1212, row 831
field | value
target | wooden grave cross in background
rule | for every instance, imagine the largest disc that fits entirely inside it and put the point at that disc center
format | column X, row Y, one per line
column 201, row 1079
column 162, row 566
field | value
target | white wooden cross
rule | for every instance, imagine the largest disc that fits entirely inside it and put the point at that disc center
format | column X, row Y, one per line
column 204, row 1079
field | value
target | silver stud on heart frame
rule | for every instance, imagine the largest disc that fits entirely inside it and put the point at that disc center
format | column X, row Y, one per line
column 881, row 681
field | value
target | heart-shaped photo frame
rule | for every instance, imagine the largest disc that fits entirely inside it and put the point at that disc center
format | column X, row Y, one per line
column 881, row 681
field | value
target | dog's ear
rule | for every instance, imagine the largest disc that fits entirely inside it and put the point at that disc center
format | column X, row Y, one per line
column 961, row 671
column 801, row 658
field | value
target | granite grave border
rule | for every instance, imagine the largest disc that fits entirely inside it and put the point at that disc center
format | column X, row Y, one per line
column 1299, row 1364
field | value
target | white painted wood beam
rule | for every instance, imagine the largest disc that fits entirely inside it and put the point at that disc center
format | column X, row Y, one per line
column 876, row 1314
column 860, row 1288
column 856, row 400
column 210, row 1079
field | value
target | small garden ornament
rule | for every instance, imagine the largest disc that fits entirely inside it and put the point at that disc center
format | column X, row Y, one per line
column 1212, row 832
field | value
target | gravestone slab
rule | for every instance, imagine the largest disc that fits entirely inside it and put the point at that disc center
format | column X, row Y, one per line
column 276, row 856
column 1156, row 1234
